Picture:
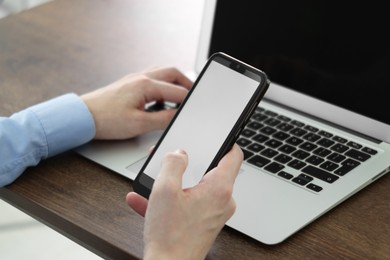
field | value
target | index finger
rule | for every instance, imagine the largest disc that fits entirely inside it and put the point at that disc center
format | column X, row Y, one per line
column 172, row 75
column 163, row 90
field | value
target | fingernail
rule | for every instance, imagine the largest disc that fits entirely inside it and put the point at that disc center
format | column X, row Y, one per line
column 180, row 151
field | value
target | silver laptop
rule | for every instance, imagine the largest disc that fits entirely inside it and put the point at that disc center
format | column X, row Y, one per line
column 322, row 132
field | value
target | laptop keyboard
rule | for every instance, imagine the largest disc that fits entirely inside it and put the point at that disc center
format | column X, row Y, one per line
column 277, row 143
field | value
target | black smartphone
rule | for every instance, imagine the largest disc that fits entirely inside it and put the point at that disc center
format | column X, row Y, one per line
column 209, row 120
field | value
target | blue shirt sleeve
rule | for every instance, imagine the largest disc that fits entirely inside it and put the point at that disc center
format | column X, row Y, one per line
column 41, row 131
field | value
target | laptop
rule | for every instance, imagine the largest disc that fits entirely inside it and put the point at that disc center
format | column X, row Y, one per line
column 322, row 131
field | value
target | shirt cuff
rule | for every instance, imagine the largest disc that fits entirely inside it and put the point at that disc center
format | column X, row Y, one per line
column 66, row 121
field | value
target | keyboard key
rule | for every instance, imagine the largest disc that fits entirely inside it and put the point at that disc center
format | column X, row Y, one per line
column 311, row 137
column 340, row 148
column 272, row 122
column 298, row 132
column 355, row 154
column 260, row 109
column 281, row 136
column 270, row 113
column 346, row 167
column 269, row 153
column 294, row 141
column 260, row 138
column 308, row 146
column 296, row 164
column 300, row 154
column 325, row 142
column 311, row 128
column 285, row 175
column 297, row 123
column 369, row 151
column 247, row 132
column 255, row 147
column 247, row 154
column 314, row 187
column 284, row 118
column 329, row 166
column 259, row 117
column 315, row 160
column 335, row 157
column 243, row 142
column 282, row 158
column 273, row 143
column 320, row 174
column 274, row 167
column 302, row 179
column 354, row 145
column 285, row 127
column 339, row 139
column 322, row 152
column 254, row 125
column 287, row 149
column 325, row 134
column 268, row 130
column 258, row 161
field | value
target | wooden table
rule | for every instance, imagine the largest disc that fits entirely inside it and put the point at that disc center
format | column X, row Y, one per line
column 79, row 45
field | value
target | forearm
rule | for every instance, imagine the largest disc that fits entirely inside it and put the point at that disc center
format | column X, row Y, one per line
column 42, row 131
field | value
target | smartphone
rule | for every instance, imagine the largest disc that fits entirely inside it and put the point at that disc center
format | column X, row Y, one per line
column 208, row 121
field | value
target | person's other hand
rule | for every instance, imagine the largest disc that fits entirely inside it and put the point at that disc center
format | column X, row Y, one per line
column 118, row 109
column 183, row 224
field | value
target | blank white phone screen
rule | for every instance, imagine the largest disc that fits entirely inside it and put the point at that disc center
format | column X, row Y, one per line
column 205, row 121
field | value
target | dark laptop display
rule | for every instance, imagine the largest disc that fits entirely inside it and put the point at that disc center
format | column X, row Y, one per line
column 337, row 52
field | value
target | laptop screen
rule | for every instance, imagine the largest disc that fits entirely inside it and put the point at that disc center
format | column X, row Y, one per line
column 336, row 52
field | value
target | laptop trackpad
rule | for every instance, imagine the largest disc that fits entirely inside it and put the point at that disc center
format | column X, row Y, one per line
column 118, row 155
column 136, row 167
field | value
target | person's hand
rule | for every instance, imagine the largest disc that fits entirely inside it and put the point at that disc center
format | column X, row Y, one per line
column 118, row 109
column 183, row 224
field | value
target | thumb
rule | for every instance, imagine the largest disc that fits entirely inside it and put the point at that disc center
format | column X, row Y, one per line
column 172, row 169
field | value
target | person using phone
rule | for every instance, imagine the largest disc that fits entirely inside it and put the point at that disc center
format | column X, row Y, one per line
column 117, row 112
column 183, row 224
